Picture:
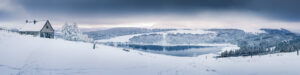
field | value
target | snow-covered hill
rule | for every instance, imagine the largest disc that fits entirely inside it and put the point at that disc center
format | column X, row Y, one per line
column 249, row 43
column 27, row 55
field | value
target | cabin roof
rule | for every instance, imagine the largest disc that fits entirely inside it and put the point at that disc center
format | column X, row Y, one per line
column 33, row 27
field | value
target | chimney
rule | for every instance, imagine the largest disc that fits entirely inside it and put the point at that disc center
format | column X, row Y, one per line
column 34, row 21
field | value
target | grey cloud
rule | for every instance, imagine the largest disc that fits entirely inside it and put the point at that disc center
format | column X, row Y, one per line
column 281, row 9
column 5, row 16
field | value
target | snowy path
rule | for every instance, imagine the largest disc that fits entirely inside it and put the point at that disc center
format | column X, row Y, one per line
column 26, row 55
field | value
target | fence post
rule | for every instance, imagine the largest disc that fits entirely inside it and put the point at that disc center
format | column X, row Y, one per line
column 297, row 52
column 94, row 45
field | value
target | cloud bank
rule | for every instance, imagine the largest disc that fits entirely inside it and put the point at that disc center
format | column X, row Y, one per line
column 157, row 13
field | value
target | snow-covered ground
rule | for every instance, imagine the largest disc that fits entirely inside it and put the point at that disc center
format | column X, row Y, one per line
column 27, row 55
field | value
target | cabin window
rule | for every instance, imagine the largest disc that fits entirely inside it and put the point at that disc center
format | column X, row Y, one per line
column 47, row 27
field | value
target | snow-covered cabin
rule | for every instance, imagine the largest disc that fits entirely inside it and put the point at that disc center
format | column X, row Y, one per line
column 38, row 28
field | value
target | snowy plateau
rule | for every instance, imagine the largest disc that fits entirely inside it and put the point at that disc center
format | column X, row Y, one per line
column 28, row 55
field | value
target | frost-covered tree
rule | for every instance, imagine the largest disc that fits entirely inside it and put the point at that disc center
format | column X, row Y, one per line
column 72, row 33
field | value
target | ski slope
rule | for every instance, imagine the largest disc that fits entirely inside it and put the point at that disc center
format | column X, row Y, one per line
column 27, row 55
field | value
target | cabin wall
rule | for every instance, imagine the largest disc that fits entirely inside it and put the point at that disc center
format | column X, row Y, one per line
column 47, row 34
column 34, row 33
column 47, row 31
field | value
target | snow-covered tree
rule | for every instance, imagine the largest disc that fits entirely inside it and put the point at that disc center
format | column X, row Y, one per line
column 72, row 33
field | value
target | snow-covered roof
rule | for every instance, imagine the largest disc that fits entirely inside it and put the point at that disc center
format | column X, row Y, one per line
column 33, row 27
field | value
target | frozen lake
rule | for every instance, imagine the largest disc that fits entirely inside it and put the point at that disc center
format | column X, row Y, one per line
column 176, row 50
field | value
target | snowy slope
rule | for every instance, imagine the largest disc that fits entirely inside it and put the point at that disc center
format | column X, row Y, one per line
column 27, row 55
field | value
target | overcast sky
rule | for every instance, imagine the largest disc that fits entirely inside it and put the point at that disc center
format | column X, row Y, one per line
column 156, row 13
